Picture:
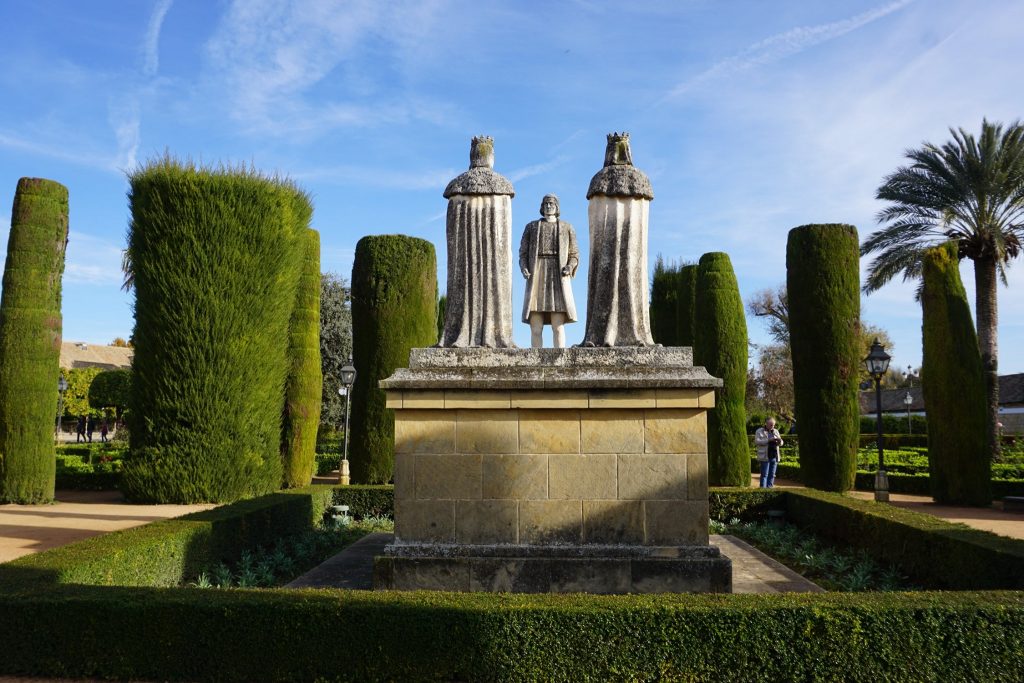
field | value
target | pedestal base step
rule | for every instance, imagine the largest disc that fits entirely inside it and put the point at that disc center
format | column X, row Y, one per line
column 578, row 569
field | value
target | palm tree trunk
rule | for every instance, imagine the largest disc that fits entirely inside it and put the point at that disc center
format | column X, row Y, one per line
column 985, row 289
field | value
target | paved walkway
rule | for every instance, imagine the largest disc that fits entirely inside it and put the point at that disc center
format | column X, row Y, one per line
column 987, row 519
column 752, row 570
column 26, row 529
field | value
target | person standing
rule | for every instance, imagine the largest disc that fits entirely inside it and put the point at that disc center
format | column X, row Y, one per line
column 103, row 430
column 90, row 427
column 80, row 429
column 548, row 258
column 768, row 442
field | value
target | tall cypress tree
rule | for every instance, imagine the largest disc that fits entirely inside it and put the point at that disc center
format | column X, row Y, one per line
column 721, row 347
column 686, row 304
column 305, row 377
column 30, row 338
column 663, row 306
column 394, row 309
column 953, row 380
column 214, row 256
column 822, row 281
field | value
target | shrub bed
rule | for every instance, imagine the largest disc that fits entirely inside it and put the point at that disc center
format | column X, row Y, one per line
column 367, row 500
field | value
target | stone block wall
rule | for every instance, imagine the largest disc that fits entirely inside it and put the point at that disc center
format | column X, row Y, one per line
column 551, row 467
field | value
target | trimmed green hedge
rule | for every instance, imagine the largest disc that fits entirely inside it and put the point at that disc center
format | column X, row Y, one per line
column 686, row 304
column 164, row 553
column 823, row 285
column 30, row 335
column 367, row 501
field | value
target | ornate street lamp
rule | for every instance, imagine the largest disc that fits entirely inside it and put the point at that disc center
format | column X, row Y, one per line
column 348, row 378
column 907, row 400
column 62, row 386
column 877, row 362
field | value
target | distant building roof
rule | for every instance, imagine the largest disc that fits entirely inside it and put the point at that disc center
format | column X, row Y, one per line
column 85, row 355
column 1011, row 392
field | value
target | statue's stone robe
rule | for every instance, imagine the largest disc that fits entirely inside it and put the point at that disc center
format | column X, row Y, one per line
column 568, row 255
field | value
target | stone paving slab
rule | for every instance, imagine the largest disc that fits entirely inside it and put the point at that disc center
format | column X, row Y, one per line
column 752, row 570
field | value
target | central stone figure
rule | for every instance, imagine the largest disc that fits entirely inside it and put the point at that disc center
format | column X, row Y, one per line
column 548, row 258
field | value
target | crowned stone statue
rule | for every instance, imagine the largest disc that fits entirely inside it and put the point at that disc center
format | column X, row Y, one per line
column 548, row 258
column 479, row 231
column 617, row 298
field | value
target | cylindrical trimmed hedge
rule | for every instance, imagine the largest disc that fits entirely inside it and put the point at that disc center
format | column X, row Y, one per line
column 305, row 378
column 663, row 306
column 823, row 283
column 720, row 345
column 686, row 304
column 30, row 338
column 215, row 256
column 394, row 309
column 953, row 380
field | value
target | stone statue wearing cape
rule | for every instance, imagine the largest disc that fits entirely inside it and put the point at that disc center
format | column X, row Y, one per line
column 479, row 232
column 617, row 296
column 548, row 258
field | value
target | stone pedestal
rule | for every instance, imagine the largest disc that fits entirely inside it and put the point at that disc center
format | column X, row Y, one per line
column 551, row 470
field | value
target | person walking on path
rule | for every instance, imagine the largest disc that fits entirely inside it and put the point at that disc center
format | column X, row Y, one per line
column 768, row 442
column 90, row 427
column 103, row 430
column 80, row 429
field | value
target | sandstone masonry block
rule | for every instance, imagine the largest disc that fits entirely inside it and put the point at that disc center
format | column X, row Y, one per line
column 652, row 476
column 423, row 399
column 675, row 431
column 544, row 522
column 550, row 399
column 581, row 476
column 456, row 398
column 428, row 521
column 515, row 476
column 674, row 522
column 697, row 476
column 612, row 431
column 623, row 398
column 549, row 431
column 486, row 521
column 393, row 400
column 487, row 431
column 678, row 398
column 448, row 476
column 405, row 475
column 614, row 521
column 707, row 398
column 424, row 431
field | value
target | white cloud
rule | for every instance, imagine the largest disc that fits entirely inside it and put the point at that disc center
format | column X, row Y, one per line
column 151, row 44
column 537, row 169
column 377, row 177
column 92, row 260
column 125, row 121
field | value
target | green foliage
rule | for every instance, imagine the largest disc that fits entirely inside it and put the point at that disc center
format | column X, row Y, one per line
column 367, row 501
column 335, row 345
column 303, row 391
column 109, row 389
column 76, row 398
column 823, row 286
column 686, row 304
column 75, row 474
column 664, row 306
column 214, row 256
column 895, row 424
column 954, row 385
column 30, row 338
column 394, row 309
column 442, row 306
column 720, row 345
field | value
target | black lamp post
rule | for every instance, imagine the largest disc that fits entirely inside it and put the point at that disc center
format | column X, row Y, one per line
column 877, row 362
column 348, row 378
column 62, row 386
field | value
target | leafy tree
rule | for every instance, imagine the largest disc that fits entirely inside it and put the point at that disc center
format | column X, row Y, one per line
column 121, row 342
column 773, row 306
column 772, row 381
column 110, row 389
column 335, row 345
column 30, row 333
column 76, row 398
column 969, row 191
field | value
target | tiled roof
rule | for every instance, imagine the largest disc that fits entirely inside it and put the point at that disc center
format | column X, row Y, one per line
column 1011, row 392
column 84, row 355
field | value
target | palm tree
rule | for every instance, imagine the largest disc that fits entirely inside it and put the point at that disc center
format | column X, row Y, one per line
column 970, row 192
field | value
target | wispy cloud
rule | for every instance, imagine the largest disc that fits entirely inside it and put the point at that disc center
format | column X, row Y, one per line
column 92, row 260
column 151, row 44
column 377, row 177
column 537, row 169
column 784, row 44
column 56, row 151
column 126, row 123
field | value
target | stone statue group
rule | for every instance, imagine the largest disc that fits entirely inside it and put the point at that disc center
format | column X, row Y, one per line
column 479, row 227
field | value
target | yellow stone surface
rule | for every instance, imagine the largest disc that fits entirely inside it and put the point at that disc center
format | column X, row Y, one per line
column 678, row 398
column 448, row 476
column 486, row 521
column 520, row 477
column 405, row 475
column 549, row 431
column 456, row 398
column 652, row 476
column 675, row 522
column 393, row 400
column 425, row 520
column 487, row 431
column 581, row 476
column 550, row 521
column 421, row 399
column 623, row 398
column 676, row 430
column 707, row 398
column 550, row 399
column 612, row 431
column 613, row 521
column 424, row 431
column 697, row 476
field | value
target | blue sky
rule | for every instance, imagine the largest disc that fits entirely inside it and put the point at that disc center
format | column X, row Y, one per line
column 749, row 117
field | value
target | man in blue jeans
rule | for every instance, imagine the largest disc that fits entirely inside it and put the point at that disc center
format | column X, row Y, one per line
column 768, row 442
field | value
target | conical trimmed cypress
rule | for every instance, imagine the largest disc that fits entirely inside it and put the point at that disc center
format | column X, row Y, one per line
column 720, row 345
column 686, row 303
column 305, row 378
column 30, row 338
column 215, row 257
column 394, row 309
column 823, row 284
column 953, row 380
